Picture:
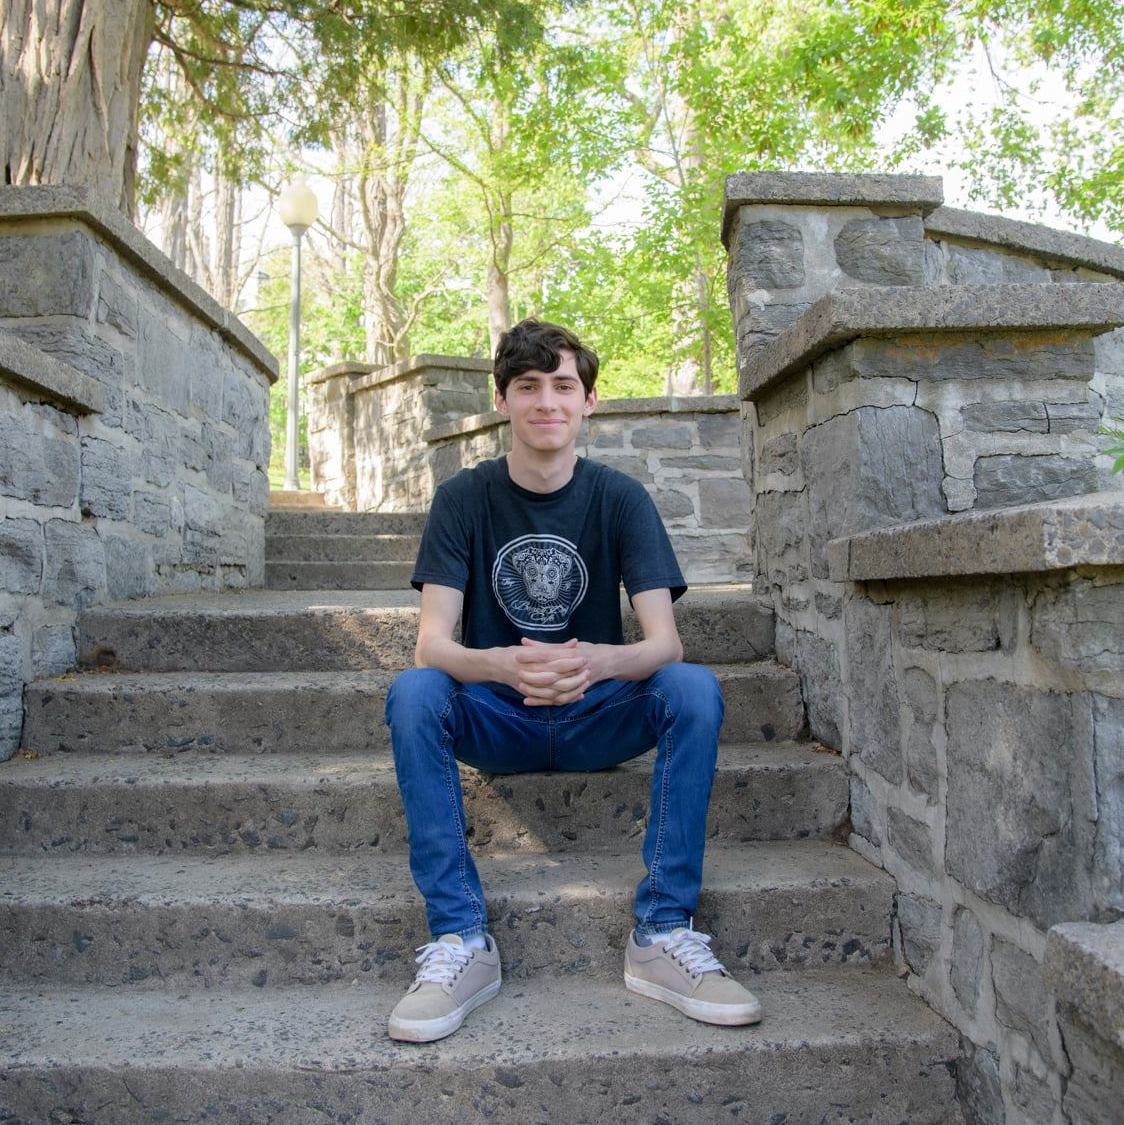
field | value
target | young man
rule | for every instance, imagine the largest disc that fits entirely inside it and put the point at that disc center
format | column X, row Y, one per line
column 529, row 551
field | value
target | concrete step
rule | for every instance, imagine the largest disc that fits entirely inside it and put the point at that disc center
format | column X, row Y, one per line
column 281, row 918
column 284, row 575
column 267, row 712
column 833, row 1046
column 290, row 499
column 341, row 548
column 223, row 804
column 344, row 523
column 267, row 631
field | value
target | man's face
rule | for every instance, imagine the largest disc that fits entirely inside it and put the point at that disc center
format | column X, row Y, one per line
column 546, row 409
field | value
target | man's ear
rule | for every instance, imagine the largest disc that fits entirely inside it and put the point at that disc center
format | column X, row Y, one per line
column 590, row 402
column 500, row 401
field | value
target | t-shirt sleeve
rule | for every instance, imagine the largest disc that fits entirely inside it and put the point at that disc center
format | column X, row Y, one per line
column 443, row 556
column 647, row 558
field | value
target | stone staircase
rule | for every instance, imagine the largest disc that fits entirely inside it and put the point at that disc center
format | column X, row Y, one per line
column 207, row 914
column 340, row 550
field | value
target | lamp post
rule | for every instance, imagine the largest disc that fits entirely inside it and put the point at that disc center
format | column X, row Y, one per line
column 298, row 210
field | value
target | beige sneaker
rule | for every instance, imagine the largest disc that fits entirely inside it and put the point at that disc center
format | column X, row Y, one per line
column 452, row 981
column 679, row 969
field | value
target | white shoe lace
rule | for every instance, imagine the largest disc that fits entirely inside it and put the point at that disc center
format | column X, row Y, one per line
column 692, row 950
column 440, row 962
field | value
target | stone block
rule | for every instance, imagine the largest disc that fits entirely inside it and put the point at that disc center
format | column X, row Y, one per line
column 704, row 462
column 1032, row 1095
column 768, row 255
column 875, row 718
column 662, row 437
column 1080, row 625
column 1007, row 480
column 107, row 479
column 966, row 964
column 780, row 520
column 1095, row 1090
column 779, row 455
column 870, row 468
column 920, row 693
column 932, row 264
column 1108, row 855
column 999, row 359
column 954, row 617
column 74, row 564
column 673, row 504
column 37, row 463
column 833, row 370
column 128, row 568
column 152, row 512
column 11, row 692
column 47, row 274
column 1006, row 417
column 977, row 1086
column 919, row 921
column 866, row 816
column 1019, row 808
column 206, row 373
column 719, row 431
column 220, row 467
column 117, row 305
column 827, row 605
column 603, row 434
column 972, row 265
column 202, row 511
column 882, row 251
column 53, row 651
column 911, row 840
column 1073, row 417
column 21, row 556
column 724, row 502
column 163, row 361
column 818, row 665
column 791, row 395
column 1022, row 1002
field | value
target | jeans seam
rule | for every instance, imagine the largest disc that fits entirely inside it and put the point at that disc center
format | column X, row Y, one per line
column 462, row 841
column 657, row 848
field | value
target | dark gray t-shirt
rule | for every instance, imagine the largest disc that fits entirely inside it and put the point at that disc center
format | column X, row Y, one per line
column 548, row 566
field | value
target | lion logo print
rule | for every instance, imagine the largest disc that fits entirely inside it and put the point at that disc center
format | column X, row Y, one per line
column 539, row 580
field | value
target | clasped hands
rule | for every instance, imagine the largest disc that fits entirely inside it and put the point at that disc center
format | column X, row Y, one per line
column 552, row 675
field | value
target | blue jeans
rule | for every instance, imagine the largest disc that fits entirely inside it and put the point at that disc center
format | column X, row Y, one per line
column 436, row 722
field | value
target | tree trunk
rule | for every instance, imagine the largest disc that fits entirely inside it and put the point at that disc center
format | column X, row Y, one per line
column 70, row 76
column 498, row 282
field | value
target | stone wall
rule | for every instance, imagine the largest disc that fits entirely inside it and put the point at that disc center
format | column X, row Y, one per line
column 134, row 437
column 383, row 440
column 901, row 363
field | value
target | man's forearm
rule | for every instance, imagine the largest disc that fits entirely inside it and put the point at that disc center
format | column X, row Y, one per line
column 635, row 661
column 467, row 665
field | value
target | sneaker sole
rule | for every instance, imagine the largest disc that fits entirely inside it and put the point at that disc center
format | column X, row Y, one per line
column 426, row 1031
column 705, row 1011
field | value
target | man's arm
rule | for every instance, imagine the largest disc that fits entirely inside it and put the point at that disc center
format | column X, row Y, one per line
column 545, row 675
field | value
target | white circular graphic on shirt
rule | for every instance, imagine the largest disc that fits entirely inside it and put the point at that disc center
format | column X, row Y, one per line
column 539, row 580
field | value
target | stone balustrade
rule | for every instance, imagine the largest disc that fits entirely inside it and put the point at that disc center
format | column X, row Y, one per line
column 134, row 436
column 937, row 524
column 382, row 440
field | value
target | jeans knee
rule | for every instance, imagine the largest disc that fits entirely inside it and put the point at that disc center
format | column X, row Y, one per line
column 693, row 690
column 417, row 695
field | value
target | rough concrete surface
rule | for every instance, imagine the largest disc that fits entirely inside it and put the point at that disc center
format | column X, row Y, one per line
column 854, row 1045
column 280, row 918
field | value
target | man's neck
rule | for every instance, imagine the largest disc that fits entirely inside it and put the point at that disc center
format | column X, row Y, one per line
column 541, row 474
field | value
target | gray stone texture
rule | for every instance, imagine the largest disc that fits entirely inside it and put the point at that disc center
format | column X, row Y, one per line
column 882, row 251
column 977, row 1085
column 107, row 472
column 1006, row 417
column 866, row 814
column 673, row 436
column 1020, row 813
column 1032, row 1095
column 820, row 685
column 966, row 967
column 919, row 921
column 957, row 617
column 30, row 368
column 47, row 274
column 919, row 691
column 1007, row 480
column 37, row 462
column 1084, row 530
column 912, row 840
column 867, row 469
column 779, row 455
column 769, row 255
column 74, row 566
column 872, row 690
column 1108, row 855
column 991, row 313
column 724, row 502
column 1080, row 624
column 21, row 556
column 1022, row 1002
